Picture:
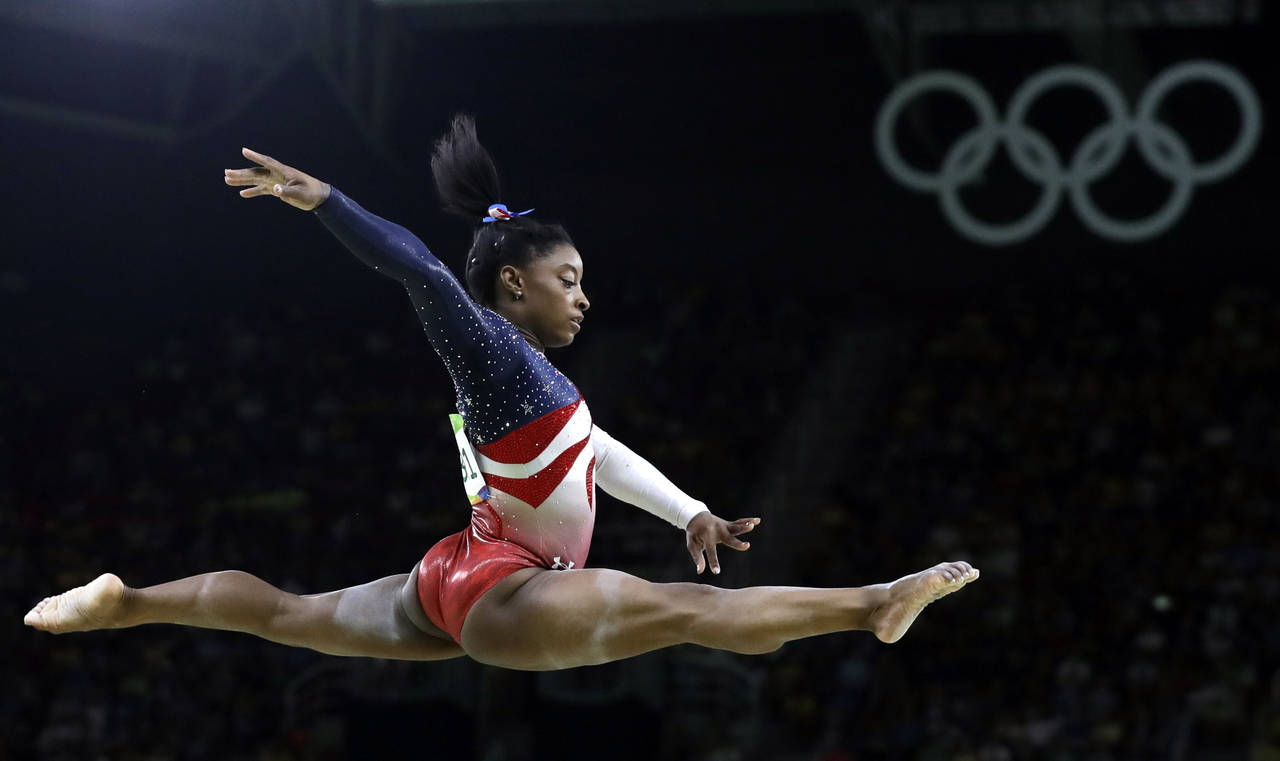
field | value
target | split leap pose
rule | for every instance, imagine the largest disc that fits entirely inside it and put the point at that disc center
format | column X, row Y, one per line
column 511, row 589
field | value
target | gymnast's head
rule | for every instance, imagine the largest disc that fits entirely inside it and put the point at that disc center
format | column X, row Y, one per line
column 524, row 270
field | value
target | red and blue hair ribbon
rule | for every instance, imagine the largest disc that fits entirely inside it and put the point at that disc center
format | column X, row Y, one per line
column 499, row 212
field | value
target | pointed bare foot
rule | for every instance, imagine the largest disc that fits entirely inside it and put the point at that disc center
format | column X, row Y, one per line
column 93, row 606
column 909, row 595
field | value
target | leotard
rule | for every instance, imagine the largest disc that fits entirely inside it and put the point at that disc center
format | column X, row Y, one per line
column 537, row 447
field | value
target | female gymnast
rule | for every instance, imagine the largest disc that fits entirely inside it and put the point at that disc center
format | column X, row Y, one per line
column 511, row 589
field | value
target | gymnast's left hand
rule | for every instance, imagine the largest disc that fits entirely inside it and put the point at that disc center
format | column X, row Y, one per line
column 706, row 530
column 273, row 178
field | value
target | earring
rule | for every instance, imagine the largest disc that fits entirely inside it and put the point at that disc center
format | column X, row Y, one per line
column 519, row 295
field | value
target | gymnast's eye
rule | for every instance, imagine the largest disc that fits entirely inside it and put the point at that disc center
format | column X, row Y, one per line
column 568, row 283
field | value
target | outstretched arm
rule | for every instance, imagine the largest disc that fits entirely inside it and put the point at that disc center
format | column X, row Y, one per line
column 447, row 312
column 394, row 251
column 631, row 478
column 379, row 243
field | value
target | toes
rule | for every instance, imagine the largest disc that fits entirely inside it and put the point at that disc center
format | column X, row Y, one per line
column 960, row 571
column 34, row 616
column 953, row 575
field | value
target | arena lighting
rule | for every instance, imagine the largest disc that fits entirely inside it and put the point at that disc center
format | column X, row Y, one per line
column 945, row 17
column 119, row 21
column 506, row 11
column 179, row 43
column 923, row 18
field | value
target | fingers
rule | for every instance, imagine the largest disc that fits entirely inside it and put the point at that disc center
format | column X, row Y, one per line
column 740, row 526
column 253, row 176
column 698, row 547
column 704, row 538
column 695, row 552
column 263, row 159
column 261, row 179
column 267, row 182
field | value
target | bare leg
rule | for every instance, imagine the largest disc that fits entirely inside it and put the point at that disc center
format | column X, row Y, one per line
column 576, row 618
column 368, row 620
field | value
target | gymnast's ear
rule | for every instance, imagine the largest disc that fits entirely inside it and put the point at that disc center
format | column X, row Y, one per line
column 510, row 281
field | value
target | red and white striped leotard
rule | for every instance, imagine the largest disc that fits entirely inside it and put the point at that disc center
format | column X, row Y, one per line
column 537, row 447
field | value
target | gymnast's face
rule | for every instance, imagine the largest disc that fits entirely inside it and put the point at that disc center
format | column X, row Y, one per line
column 551, row 301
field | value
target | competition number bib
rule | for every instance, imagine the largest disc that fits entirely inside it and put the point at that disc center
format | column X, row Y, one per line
column 472, row 481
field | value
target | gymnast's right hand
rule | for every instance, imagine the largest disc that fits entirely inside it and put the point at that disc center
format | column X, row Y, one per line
column 271, row 178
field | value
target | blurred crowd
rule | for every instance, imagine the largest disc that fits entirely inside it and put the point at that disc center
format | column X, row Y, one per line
column 1105, row 451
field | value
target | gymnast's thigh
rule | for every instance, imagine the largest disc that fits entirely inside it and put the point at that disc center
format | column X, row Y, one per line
column 539, row 619
column 411, row 606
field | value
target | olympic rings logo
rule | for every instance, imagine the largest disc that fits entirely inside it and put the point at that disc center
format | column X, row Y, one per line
column 1098, row 153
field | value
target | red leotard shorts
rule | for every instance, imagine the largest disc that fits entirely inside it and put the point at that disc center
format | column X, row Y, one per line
column 462, row 567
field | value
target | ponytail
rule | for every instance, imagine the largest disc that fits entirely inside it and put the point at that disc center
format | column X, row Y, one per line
column 468, row 184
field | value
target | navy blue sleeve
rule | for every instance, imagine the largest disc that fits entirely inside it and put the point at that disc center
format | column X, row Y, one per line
column 390, row 249
column 457, row 326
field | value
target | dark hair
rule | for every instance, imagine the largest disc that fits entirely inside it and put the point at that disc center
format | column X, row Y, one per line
column 467, row 182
